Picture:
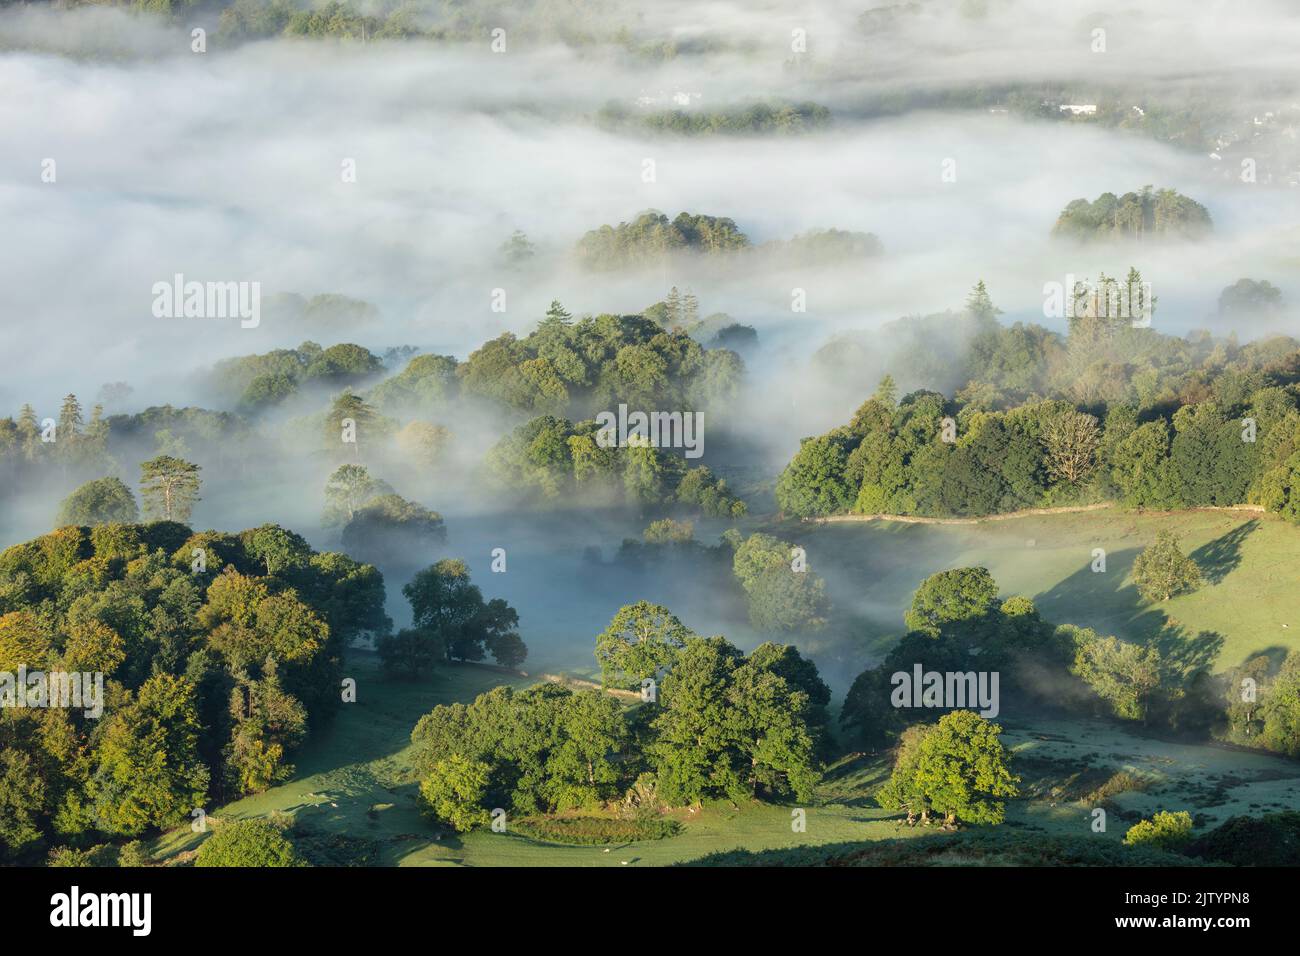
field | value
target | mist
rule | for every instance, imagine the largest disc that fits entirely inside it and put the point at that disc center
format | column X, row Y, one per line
column 226, row 166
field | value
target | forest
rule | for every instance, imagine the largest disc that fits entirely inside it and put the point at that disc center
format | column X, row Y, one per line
column 684, row 436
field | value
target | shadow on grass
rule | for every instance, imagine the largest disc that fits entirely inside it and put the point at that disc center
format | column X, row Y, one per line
column 1108, row 603
column 1220, row 557
column 1184, row 655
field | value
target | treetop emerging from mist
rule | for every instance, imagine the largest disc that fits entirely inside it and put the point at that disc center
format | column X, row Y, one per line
column 1150, row 213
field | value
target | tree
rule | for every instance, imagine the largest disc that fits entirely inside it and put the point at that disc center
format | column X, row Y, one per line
column 980, row 304
column 102, row 501
column 782, row 594
column 1071, row 440
column 451, row 612
column 391, row 523
column 134, row 854
column 1250, row 297
column 1141, row 470
column 641, row 639
column 278, row 549
column 149, row 773
column 517, row 250
column 1122, row 674
column 962, row 769
column 269, row 722
column 963, row 594
column 814, row 482
column 1164, row 831
column 29, row 432
column 70, row 424
column 22, row 801
column 1280, row 709
column 24, row 642
column 348, row 489
column 247, row 843
column 887, row 392
column 349, row 419
column 730, row 726
column 93, row 647
column 412, row 651
column 169, row 487
column 668, row 531
column 903, row 790
column 495, row 626
column 1162, row 570
column 547, row 748
column 424, row 443
column 453, row 793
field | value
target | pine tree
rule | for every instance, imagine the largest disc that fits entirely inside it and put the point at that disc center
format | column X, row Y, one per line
column 70, row 421
column 887, row 391
column 980, row 305
column 69, row 432
column 169, row 487
column 674, row 304
column 690, row 310
column 29, row 432
column 350, row 407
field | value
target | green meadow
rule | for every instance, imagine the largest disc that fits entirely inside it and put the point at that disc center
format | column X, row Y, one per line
column 1249, row 604
column 354, row 790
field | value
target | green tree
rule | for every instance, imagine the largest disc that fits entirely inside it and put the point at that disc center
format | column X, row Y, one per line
column 1141, row 470
column 278, row 549
column 390, row 523
column 411, row 652
column 453, row 793
column 668, row 531
column 70, row 427
column 349, row 421
column 22, row 802
column 247, row 843
column 102, row 501
column 1162, row 570
column 783, row 593
column 962, row 769
column 641, row 639
column 980, row 305
column 148, row 771
column 348, row 489
column 730, row 726
column 887, row 391
column 450, row 610
column 169, row 488
column 814, row 482
column 903, row 790
column 1280, row 709
column 1125, row 675
column 963, row 594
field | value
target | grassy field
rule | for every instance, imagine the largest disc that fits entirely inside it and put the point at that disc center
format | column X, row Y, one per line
column 355, row 787
column 1250, row 603
column 357, row 781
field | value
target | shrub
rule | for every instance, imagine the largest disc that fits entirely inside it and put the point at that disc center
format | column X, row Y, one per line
column 248, row 843
column 1165, row 831
column 134, row 854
